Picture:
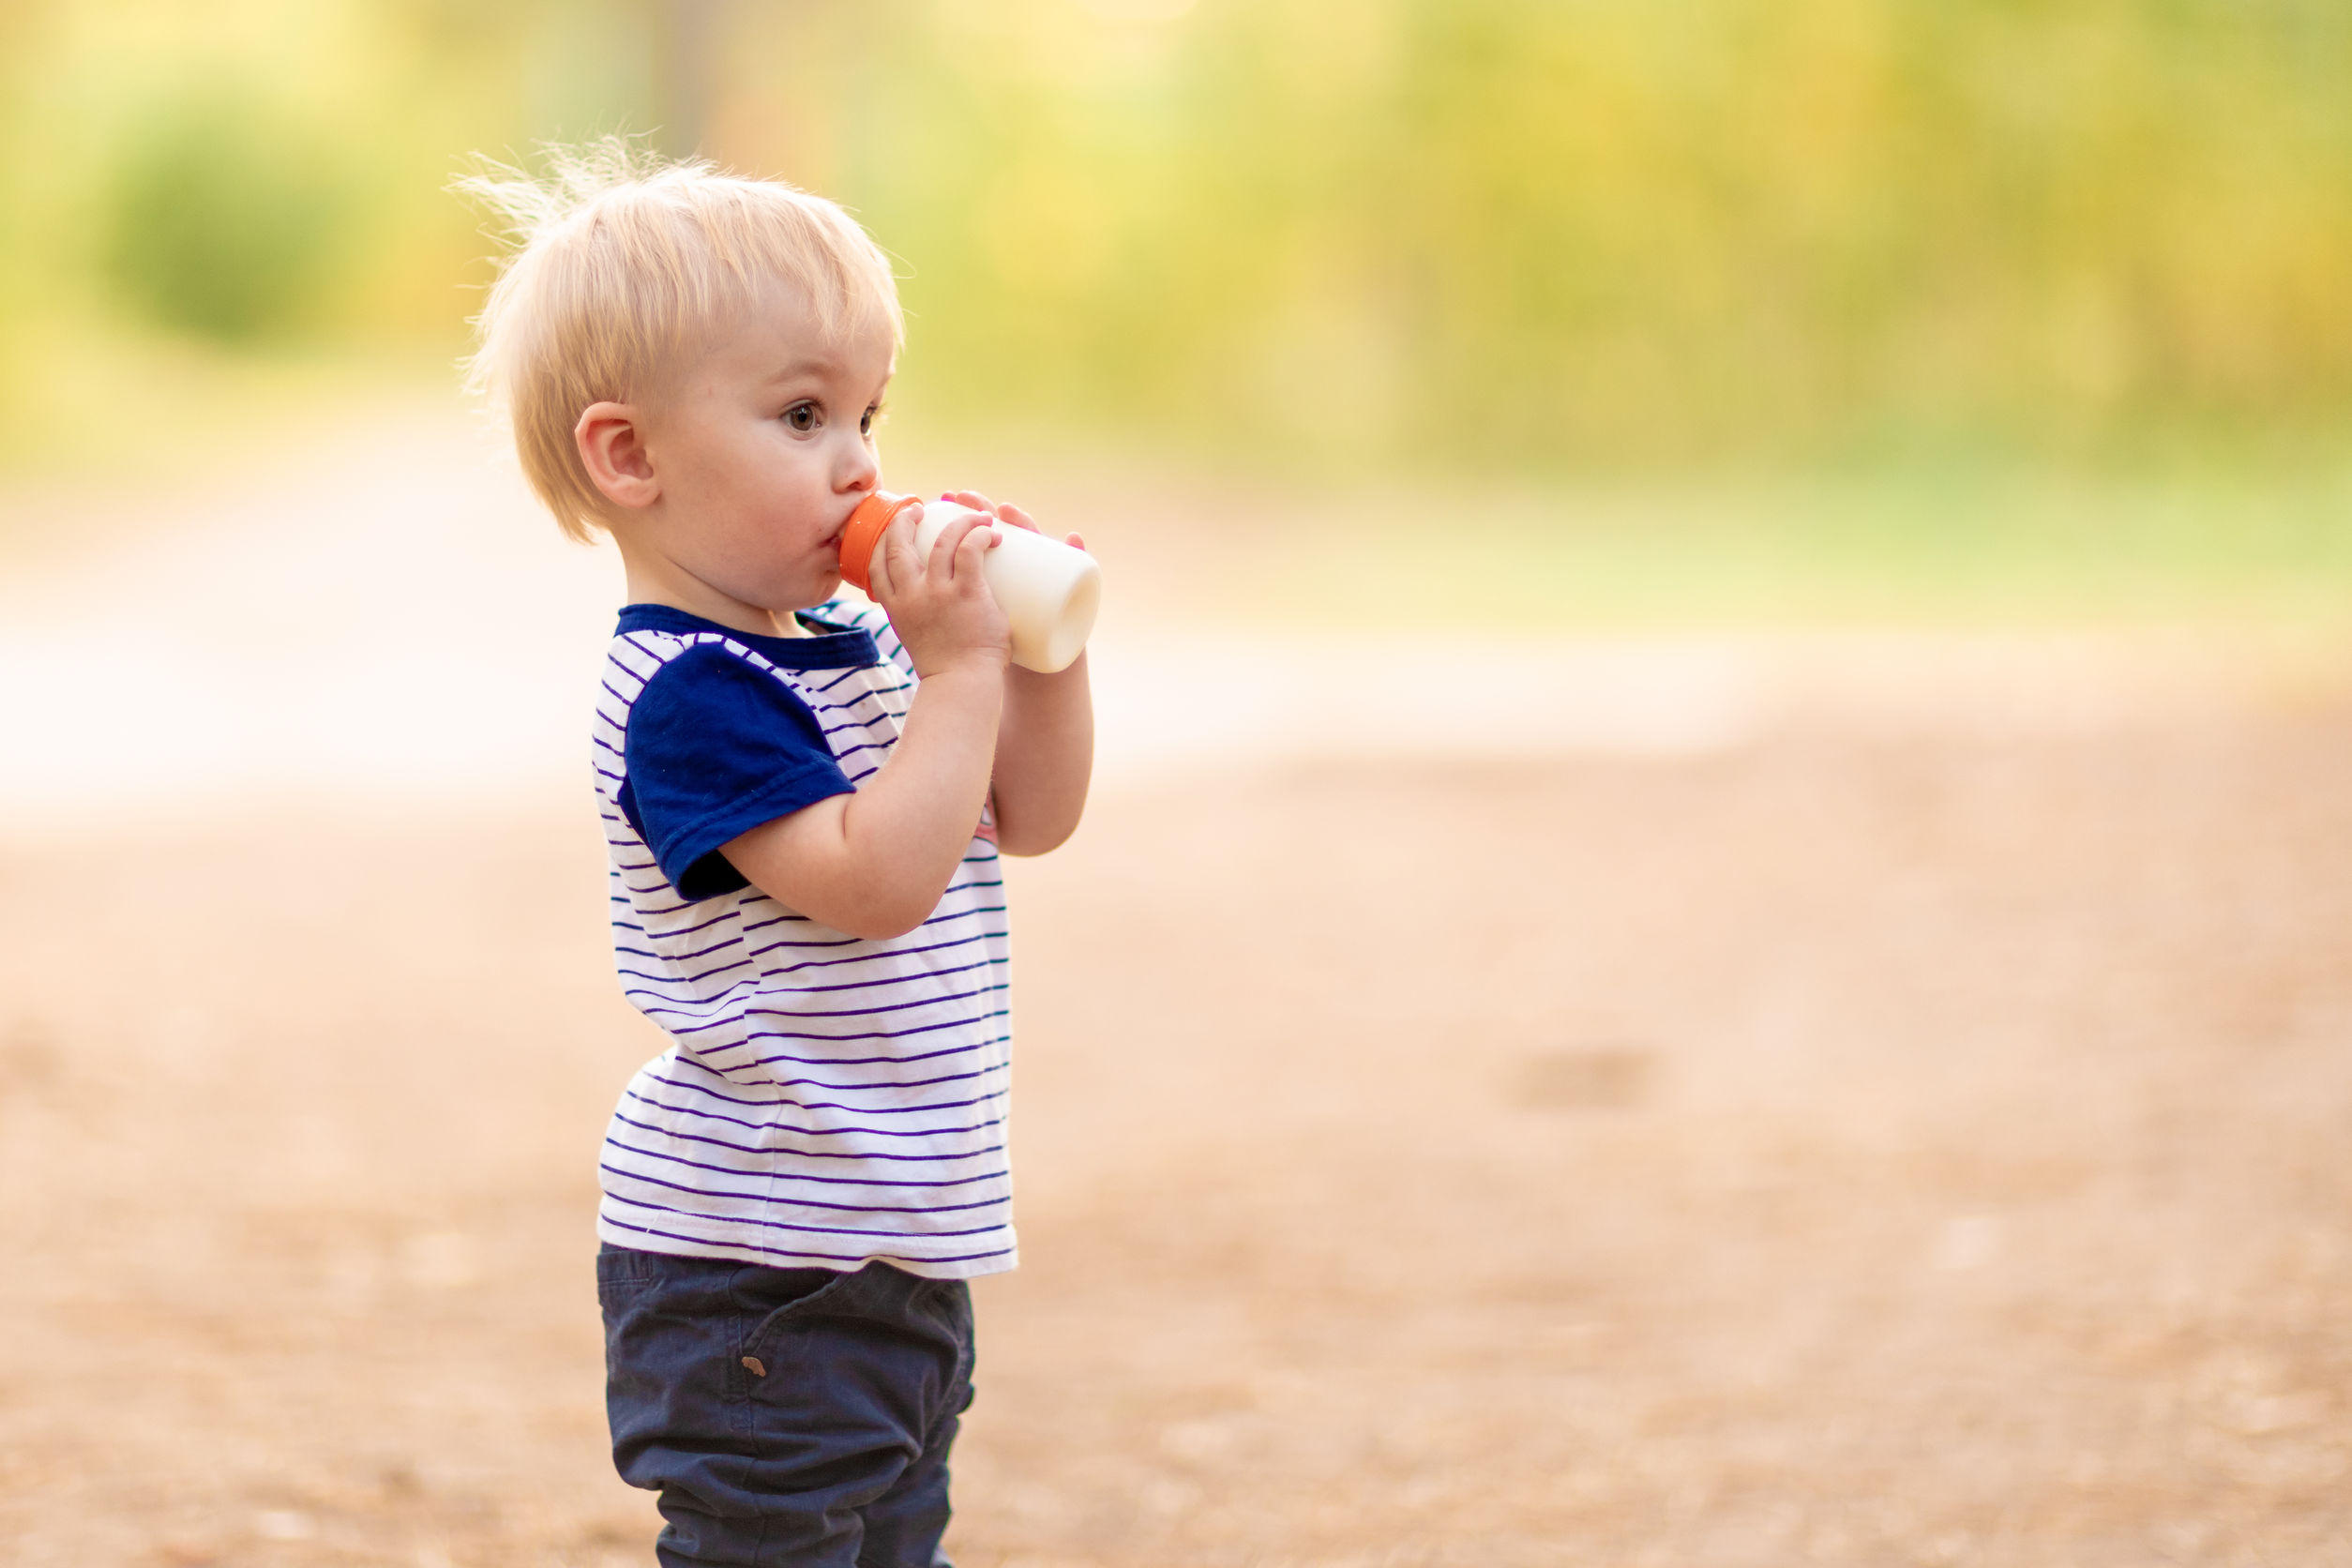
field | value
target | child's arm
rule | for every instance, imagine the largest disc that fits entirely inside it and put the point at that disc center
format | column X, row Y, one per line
column 1044, row 750
column 875, row 861
column 1045, row 758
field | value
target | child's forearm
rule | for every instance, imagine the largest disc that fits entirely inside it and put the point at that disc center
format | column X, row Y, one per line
column 1045, row 758
column 874, row 862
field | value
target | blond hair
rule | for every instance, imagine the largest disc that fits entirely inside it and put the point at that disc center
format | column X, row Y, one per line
column 620, row 264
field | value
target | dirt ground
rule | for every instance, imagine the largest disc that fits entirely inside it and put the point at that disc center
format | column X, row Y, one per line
column 1866, row 1144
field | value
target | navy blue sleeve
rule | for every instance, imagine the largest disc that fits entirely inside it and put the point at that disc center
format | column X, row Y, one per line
column 715, row 747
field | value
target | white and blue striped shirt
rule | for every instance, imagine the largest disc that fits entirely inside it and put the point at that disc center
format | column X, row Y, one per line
column 826, row 1099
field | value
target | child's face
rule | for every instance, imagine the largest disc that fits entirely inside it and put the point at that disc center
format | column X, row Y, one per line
column 763, row 447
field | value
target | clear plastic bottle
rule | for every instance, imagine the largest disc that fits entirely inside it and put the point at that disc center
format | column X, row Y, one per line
column 1049, row 591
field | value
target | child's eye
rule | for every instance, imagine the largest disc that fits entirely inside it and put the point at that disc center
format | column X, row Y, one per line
column 874, row 416
column 801, row 416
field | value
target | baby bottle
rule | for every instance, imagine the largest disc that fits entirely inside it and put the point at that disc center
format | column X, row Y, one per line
column 1048, row 590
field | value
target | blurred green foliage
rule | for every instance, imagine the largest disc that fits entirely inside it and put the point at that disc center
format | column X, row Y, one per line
column 1584, row 231
column 223, row 221
column 1502, row 235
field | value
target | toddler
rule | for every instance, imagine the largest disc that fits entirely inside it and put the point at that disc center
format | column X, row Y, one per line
column 804, row 799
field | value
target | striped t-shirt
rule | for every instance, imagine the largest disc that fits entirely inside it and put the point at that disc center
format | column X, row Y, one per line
column 826, row 1099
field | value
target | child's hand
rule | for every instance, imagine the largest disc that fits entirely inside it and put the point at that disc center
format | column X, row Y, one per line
column 1006, row 513
column 938, row 602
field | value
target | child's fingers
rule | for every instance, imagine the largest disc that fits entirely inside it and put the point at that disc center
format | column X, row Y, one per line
column 1018, row 519
column 1073, row 542
column 969, row 551
column 895, row 560
column 947, row 549
column 973, row 499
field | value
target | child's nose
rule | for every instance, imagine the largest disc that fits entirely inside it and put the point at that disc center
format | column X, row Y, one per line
column 859, row 469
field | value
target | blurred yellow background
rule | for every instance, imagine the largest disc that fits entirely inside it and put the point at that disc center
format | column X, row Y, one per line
column 1972, row 308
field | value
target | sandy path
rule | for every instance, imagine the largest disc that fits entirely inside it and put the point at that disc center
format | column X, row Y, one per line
column 385, row 614
column 1795, row 1108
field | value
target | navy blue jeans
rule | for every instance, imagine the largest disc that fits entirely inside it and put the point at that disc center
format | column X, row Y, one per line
column 795, row 1417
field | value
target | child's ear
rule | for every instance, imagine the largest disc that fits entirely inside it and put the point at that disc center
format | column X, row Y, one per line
column 611, row 443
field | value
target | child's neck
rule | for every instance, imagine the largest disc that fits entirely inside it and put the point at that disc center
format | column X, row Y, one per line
column 651, row 581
